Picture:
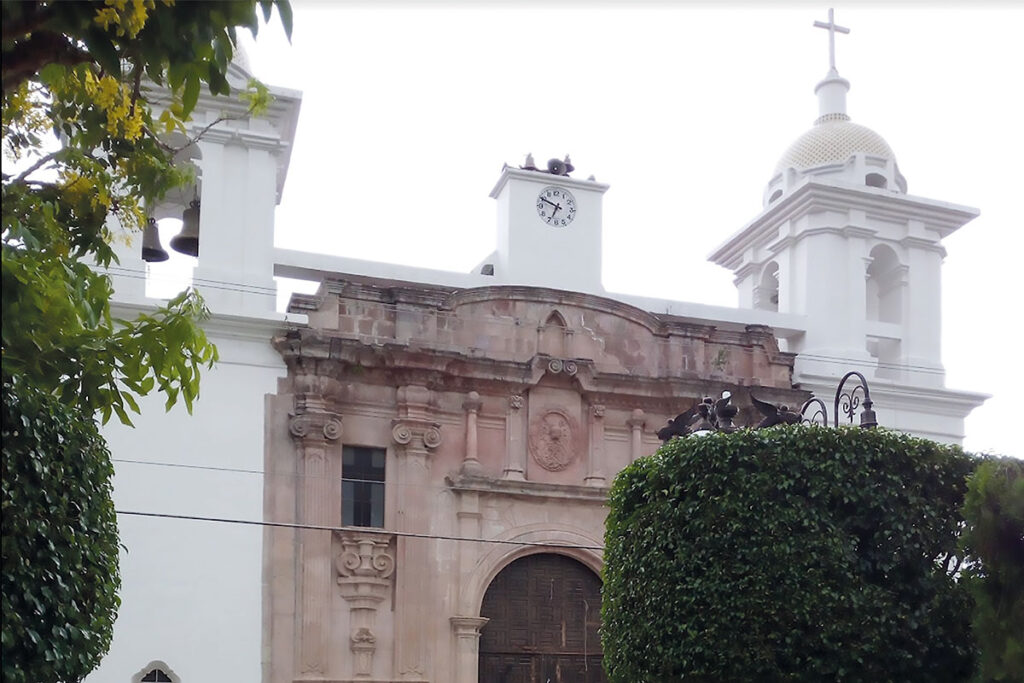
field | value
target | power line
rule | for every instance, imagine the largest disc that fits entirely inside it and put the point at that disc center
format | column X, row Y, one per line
column 241, row 470
column 318, row 527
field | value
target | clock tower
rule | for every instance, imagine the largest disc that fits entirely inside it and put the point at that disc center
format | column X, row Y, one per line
column 549, row 229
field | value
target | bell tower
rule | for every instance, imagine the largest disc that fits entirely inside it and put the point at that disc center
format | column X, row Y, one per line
column 549, row 228
column 240, row 163
column 840, row 243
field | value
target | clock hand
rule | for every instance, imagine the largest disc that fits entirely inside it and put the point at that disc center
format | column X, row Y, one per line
column 548, row 201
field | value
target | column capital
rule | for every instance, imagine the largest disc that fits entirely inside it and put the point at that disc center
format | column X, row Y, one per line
column 416, row 435
column 468, row 627
column 315, row 426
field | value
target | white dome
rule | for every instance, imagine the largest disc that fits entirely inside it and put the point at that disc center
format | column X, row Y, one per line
column 833, row 139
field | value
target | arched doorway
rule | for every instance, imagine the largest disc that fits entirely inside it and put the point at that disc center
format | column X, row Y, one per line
column 544, row 613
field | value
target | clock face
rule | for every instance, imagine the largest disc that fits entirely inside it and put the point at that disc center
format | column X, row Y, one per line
column 556, row 206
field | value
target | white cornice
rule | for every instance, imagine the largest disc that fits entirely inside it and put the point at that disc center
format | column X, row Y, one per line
column 243, row 327
column 544, row 178
column 817, row 196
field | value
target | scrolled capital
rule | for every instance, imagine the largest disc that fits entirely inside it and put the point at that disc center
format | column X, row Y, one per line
column 401, row 434
column 432, row 437
column 332, row 429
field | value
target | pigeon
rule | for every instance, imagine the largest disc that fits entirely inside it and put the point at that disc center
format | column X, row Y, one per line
column 678, row 426
column 774, row 415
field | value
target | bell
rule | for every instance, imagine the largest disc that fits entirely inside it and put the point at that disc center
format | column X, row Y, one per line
column 152, row 252
column 187, row 241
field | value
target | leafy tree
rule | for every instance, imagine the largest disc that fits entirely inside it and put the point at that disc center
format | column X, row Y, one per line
column 792, row 553
column 995, row 539
column 85, row 153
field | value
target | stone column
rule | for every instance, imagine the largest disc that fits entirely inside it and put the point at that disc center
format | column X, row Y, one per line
column 469, row 516
column 595, row 463
column 415, row 436
column 467, row 645
column 317, row 432
column 471, row 460
column 364, row 566
column 515, row 449
column 636, row 423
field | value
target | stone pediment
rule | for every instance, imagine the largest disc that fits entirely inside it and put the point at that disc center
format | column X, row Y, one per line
column 531, row 332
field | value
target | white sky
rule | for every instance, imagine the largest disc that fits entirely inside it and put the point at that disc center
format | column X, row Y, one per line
column 409, row 111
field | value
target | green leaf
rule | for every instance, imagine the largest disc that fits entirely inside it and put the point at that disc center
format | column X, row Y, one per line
column 191, row 94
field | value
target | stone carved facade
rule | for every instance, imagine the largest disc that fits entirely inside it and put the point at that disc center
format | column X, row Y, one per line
column 364, row 566
column 554, row 440
column 491, row 432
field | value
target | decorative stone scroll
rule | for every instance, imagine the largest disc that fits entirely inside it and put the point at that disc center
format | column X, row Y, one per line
column 557, row 366
column 315, row 426
column 364, row 566
column 418, row 436
column 553, row 440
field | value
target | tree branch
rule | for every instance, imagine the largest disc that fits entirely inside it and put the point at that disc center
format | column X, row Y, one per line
column 20, row 178
column 27, row 57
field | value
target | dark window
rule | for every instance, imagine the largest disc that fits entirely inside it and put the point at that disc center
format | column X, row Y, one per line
column 156, row 676
column 875, row 180
column 362, row 486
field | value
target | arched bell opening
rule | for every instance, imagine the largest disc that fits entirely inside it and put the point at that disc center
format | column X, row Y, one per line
column 884, row 301
column 766, row 294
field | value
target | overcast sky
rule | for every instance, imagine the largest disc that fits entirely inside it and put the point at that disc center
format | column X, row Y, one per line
column 410, row 110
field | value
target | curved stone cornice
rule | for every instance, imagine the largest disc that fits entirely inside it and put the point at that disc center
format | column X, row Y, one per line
column 555, row 298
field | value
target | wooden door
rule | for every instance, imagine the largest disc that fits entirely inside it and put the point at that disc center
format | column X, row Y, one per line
column 544, row 613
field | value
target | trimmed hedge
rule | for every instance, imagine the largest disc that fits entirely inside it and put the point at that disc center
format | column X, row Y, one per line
column 793, row 553
column 60, row 544
column 995, row 538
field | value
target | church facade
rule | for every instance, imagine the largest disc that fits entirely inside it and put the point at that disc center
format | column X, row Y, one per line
column 418, row 461
column 474, row 434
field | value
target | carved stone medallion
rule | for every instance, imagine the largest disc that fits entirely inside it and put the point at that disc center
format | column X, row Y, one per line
column 553, row 440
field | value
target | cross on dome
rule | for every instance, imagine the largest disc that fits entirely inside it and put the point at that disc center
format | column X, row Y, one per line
column 832, row 27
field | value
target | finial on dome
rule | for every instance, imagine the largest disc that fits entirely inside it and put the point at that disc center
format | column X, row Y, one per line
column 832, row 90
column 832, row 27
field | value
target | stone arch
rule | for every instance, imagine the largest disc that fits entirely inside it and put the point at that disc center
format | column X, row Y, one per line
column 557, row 539
column 554, row 335
column 544, row 616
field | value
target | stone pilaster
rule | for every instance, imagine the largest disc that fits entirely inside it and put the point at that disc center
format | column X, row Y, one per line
column 471, row 460
column 636, row 424
column 467, row 645
column 595, row 461
column 515, row 451
column 416, row 435
column 364, row 566
column 317, row 433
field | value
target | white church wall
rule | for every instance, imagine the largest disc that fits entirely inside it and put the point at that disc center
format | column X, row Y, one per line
column 192, row 590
